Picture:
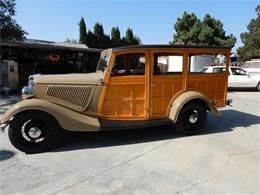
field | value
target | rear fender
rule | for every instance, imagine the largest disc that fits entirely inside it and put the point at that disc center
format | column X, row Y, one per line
column 185, row 98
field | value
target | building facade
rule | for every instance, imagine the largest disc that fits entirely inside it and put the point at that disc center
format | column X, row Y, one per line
column 20, row 59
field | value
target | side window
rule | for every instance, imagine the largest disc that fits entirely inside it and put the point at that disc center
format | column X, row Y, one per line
column 201, row 63
column 167, row 64
column 238, row 71
column 219, row 70
column 129, row 64
column 136, row 64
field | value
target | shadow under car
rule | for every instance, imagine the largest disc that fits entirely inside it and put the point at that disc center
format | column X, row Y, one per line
column 229, row 120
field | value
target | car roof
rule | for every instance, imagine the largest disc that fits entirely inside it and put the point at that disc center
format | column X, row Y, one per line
column 130, row 47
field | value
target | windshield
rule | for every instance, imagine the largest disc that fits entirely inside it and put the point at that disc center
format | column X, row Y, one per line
column 103, row 61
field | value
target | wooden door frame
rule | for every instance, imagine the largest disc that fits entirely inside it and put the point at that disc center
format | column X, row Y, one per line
column 108, row 76
column 181, row 52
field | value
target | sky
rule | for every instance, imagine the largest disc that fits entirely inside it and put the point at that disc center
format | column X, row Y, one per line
column 151, row 20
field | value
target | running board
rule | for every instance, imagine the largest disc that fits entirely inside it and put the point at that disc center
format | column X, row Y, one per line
column 112, row 125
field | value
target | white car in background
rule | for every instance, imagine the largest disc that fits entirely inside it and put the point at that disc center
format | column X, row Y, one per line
column 238, row 78
column 253, row 66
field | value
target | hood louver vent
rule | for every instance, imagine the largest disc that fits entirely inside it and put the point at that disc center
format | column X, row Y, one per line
column 76, row 94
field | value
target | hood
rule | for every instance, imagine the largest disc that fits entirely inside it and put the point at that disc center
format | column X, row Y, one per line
column 73, row 78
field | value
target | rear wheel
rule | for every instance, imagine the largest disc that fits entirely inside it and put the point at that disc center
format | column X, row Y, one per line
column 33, row 132
column 191, row 119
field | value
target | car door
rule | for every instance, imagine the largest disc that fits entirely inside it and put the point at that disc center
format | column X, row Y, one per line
column 166, row 81
column 125, row 97
column 239, row 78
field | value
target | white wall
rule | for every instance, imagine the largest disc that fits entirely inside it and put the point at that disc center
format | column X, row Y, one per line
column 198, row 62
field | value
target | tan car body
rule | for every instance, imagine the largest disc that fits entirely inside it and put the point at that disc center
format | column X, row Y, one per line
column 77, row 101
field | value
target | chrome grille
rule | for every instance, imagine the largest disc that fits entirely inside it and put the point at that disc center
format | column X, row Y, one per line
column 79, row 95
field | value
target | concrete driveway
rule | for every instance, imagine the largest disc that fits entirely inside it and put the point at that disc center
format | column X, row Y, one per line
column 224, row 159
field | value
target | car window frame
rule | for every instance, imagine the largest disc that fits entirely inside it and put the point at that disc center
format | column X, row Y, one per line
column 207, row 66
column 127, row 68
column 157, row 54
column 240, row 70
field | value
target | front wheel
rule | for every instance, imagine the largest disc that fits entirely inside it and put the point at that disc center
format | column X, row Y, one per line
column 191, row 119
column 33, row 132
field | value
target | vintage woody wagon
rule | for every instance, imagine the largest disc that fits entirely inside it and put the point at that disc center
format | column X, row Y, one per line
column 133, row 87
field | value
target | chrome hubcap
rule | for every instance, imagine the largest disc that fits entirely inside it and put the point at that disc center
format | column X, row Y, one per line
column 34, row 132
column 193, row 117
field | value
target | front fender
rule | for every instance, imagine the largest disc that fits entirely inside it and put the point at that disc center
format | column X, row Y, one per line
column 180, row 101
column 67, row 119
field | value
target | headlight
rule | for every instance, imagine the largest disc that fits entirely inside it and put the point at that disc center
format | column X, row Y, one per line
column 27, row 90
column 31, row 83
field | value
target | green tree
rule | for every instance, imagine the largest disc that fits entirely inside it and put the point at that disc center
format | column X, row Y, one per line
column 251, row 39
column 9, row 29
column 192, row 31
column 82, row 31
column 102, row 40
column 130, row 38
column 98, row 39
column 187, row 30
column 91, row 39
column 212, row 33
column 115, row 37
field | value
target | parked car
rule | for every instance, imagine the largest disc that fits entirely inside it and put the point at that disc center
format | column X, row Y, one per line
column 253, row 66
column 238, row 78
column 133, row 87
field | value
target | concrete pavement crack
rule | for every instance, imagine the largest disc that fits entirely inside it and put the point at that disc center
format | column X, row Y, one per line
column 114, row 167
column 191, row 186
column 220, row 172
column 222, row 167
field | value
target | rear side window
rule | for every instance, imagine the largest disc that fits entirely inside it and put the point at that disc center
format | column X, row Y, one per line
column 167, row 64
column 129, row 64
column 203, row 63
